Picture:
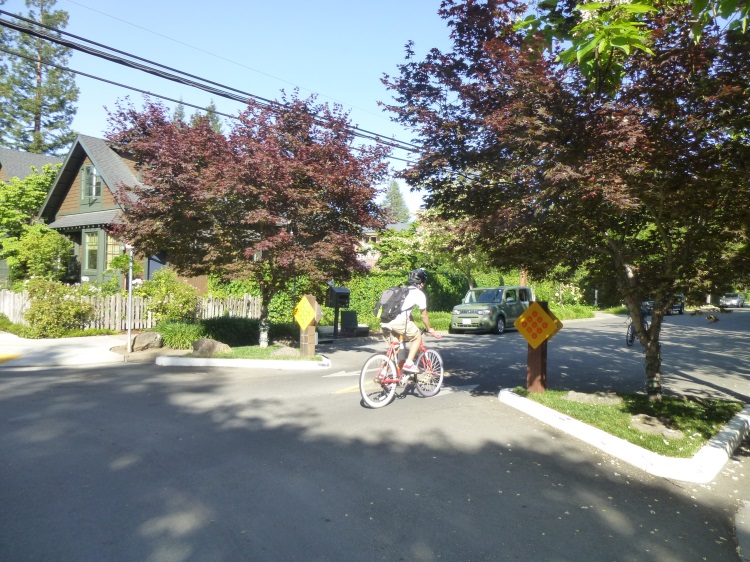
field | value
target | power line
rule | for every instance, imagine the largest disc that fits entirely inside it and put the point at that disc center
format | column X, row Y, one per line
column 146, row 92
column 187, row 79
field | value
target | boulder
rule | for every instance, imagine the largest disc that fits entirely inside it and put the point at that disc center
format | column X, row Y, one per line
column 147, row 340
column 285, row 352
column 207, row 346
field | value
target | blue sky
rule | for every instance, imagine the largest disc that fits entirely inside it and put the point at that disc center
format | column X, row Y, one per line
column 338, row 49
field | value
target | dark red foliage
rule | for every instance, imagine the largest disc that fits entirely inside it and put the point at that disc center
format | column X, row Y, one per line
column 284, row 194
column 648, row 187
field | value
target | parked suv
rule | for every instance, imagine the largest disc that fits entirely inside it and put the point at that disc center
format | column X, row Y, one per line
column 732, row 299
column 490, row 309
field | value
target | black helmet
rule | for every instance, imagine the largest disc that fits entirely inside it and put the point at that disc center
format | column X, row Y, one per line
column 417, row 276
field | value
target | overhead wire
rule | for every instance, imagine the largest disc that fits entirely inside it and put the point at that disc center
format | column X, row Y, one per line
column 191, row 80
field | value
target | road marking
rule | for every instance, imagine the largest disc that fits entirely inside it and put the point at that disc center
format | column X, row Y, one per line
column 343, row 374
column 6, row 357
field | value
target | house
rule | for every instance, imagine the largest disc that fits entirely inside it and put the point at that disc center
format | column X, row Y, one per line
column 81, row 205
column 17, row 164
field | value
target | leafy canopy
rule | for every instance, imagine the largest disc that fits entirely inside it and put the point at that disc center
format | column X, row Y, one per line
column 284, row 194
column 644, row 182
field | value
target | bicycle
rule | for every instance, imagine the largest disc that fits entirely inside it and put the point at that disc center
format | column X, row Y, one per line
column 381, row 373
column 630, row 331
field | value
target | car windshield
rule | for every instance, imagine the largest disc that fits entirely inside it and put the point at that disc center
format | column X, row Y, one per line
column 480, row 295
column 731, row 295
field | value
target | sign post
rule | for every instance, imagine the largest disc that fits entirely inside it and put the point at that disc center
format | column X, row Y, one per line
column 307, row 313
column 537, row 325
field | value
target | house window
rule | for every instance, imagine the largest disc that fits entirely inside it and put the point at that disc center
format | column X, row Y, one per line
column 90, row 250
column 91, row 183
column 114, row 249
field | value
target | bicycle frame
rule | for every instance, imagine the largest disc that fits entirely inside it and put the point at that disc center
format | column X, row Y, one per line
column 392, row 354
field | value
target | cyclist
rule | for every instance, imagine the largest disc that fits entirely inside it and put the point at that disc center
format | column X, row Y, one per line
column 403, row 323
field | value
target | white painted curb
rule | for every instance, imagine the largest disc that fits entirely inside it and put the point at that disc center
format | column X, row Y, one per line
column 286, row 365
column 701, row 469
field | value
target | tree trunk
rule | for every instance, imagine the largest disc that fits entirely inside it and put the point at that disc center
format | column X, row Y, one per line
column 264, row 328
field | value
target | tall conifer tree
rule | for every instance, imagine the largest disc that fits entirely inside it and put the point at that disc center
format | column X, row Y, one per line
column 37, row 100
column 394, row 203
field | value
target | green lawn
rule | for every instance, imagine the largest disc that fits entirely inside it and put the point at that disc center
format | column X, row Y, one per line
column 699, row 421
column 257, row 352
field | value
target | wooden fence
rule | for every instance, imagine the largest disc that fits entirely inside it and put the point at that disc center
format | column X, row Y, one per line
column 111, row 312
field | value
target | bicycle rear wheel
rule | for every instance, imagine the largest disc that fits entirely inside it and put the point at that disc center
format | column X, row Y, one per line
column 630, row 335
column 430, row 377
column 375, row 393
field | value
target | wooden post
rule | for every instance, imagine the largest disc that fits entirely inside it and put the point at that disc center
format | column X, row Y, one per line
column 536, row 363
column 307, row 341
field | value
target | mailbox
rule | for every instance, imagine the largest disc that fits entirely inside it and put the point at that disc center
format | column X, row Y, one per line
column 337, row 297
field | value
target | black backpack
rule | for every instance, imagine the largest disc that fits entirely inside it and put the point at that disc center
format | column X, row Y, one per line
column 390, row 303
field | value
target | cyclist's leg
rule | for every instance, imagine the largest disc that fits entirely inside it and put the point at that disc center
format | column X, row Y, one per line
column 414, row 335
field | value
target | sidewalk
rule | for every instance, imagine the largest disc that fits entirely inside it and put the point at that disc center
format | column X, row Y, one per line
column 92, row 350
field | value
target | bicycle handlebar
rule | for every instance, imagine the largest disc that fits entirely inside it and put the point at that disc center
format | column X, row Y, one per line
column 434, row 335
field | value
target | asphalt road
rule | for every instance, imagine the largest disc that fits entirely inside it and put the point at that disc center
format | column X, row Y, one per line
column 138, row 462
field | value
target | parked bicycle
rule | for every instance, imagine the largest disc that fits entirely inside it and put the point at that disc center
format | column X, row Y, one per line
column 630, row 330
column 381, row 374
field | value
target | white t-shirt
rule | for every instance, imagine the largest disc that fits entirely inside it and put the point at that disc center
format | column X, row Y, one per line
column 414, row 297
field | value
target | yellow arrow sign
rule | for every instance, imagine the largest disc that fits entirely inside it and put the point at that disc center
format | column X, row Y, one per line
column 536, row 325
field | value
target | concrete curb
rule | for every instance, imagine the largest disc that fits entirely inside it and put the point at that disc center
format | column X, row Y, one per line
column 700, row 469
column 279, row 364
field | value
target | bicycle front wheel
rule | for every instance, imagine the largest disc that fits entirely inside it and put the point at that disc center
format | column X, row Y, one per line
column 430, row 377
column 375, row 392
column 630, row 335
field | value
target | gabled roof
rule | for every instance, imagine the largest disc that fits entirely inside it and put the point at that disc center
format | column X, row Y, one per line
column 15, row 163
column 109, row 165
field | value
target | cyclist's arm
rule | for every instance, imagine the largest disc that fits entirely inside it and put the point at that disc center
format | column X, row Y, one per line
column 426, row 321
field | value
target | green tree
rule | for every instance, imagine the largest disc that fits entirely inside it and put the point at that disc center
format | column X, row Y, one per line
column 398, row 250
column 394, row 203
column 213, row 118
column 451, row 245
column 39, row 252
column 644, row 183
column 21, row 199
column 37, row 96
column 179, row 113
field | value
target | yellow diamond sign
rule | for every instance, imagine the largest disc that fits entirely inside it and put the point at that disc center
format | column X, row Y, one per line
column 304, row 312
column 536, row 325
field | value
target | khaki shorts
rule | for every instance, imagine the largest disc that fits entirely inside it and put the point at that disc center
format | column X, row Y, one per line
column 411, row 332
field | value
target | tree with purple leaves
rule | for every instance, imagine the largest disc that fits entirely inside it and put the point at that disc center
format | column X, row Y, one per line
column 285, row 194
column 644, row 182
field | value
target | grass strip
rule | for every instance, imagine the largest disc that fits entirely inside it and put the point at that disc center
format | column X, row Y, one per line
column 698, row 420
column 257, row 352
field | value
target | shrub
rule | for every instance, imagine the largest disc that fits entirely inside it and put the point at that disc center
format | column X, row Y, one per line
column 180, row 335
column 169, row 298
column 232, row 331
column 5, row 323
column 55, row 310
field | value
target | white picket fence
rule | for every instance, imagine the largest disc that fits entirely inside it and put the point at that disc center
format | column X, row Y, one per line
column 111, row 312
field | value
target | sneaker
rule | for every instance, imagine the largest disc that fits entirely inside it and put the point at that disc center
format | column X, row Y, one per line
column 410, row 369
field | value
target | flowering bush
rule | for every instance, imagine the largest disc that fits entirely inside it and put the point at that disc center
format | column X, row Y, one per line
column 55, row 309
column 169, row 298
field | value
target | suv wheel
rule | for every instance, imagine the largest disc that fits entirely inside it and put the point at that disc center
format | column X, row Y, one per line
column 499, row 325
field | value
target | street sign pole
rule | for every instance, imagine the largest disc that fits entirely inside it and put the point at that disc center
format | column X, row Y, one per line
column 537, row 325
column 307, row 313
